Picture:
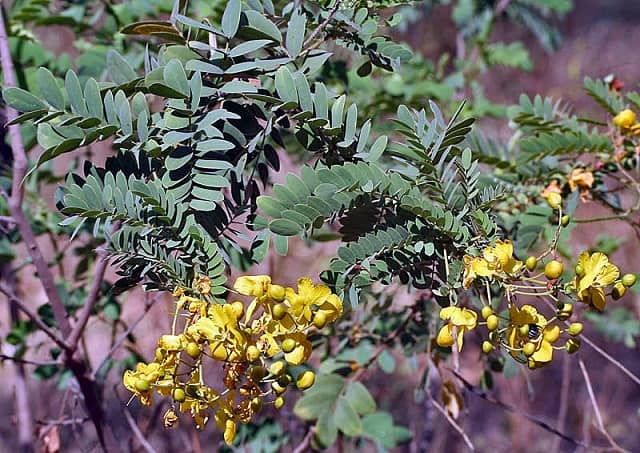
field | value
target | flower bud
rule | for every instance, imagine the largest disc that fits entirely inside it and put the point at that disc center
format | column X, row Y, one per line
column 565, row 312
column 277, row 368
column 306, row 380
column 256, row 404
column 320, row 320
column 288, row 345
column 193, row 350
column 618, row 291
column 531, row 263
column 486, row 312
column 554, row 200
column 142, row 385
column 572, row 345
column 179, row 395
column 285, row 380
column 629, row 280
column 575, row 328
column 253, row 353
column 238, row 308
column 277, row 388
column 553, row 269
column 279, row 311
column 279, row 402
column 276, row 292
column 258, row 373
column 579, row 270
column 229, row 431
column 487, row 347
column 492, row 322
column 564, row 221
column 524, row 330
column 528, row 349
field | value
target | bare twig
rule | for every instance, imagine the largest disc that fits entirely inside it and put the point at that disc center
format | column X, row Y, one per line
column 124, row 336
column 323, row 24
column 136, row 431
column 305, row 444
column 78, row 329
column 564, row 400
column 13, row 298
column 10, row 358
column 596, row 408
column 452, row 422
column 613, row 361
column 532, row 418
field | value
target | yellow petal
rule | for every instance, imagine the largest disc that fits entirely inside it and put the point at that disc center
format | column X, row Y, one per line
column 301, row 353
column 250, row 285
column 444, row 338
column 544, row 354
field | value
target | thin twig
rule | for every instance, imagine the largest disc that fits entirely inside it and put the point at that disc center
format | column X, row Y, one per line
column 452, row 422
column 613, row 361
column 532, row 418
column 9, row 358
column 564, row 400
column 323, row 24
column 136, row 431
column 596, row 408
column 124, row 336
column 101, row 267
column 13, row 298
column 305, row 444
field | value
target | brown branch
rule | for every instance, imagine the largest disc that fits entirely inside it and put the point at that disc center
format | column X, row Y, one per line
column 323, row 24
column 452, row 422
column 16, row 198
column 23, row 409
column 92, row 298
column 9, row 358
column 13, row 298
column 136, row 431
column 305, row 444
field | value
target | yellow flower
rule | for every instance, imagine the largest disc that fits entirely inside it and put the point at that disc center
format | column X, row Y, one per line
column 302, row 350
column 462, row 318
column 250, row 285
column 495, row 260
column 625, row 119
column 580, row 178
column 172, row 343
column 596, row 273
column 539, row 333
column 310, row 296
column 221, row 330
column 141, row 380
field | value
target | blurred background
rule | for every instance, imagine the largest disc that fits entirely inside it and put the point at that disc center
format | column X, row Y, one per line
column 599, row 37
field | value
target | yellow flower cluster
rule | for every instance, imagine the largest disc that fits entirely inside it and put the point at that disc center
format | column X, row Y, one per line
column 255, row 345
column 522, row 330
